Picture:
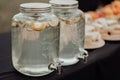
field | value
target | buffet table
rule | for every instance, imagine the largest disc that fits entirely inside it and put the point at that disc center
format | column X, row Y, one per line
column 103, row 64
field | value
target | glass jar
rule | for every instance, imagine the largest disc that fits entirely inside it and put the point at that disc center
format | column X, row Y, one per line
column 35, row 39
column 72, row 29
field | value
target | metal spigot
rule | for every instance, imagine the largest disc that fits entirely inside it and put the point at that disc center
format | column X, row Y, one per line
column 56, row 66
column 52, row 67
column 83, row 55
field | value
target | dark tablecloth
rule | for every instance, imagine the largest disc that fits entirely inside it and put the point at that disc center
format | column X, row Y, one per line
column 103, row 64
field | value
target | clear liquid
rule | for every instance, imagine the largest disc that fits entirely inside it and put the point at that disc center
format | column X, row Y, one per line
column 71, row 34
column 33, row 51
column 71, row 39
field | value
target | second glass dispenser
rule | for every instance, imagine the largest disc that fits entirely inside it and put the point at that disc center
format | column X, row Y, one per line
column 72, row 28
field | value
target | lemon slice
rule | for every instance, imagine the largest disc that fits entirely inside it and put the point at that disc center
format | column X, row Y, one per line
column 38, row 26
column 72, row 21
column 14, row 23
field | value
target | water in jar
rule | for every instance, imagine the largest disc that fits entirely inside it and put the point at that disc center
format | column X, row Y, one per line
column 35, row 43
column 71, row 35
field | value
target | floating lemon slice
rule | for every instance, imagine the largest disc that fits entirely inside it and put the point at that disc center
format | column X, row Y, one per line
column 15, row 23
column 72, row 21
column 38, row 26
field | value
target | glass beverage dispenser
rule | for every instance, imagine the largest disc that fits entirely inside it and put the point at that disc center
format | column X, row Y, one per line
column 72, row 27
column 35, row 39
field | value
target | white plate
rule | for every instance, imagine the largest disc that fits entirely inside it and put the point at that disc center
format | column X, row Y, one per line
column 95, row 45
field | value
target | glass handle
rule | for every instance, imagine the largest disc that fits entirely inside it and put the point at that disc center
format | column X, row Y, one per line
column 83, row 55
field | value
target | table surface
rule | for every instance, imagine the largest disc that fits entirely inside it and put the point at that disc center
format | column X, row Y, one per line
column 7, row 72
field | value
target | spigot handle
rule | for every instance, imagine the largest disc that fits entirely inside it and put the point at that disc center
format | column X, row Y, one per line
column 52, row 67
column 56, row 66
column 83, row 55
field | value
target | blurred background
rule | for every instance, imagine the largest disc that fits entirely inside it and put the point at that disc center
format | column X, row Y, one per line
column 8, row 8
